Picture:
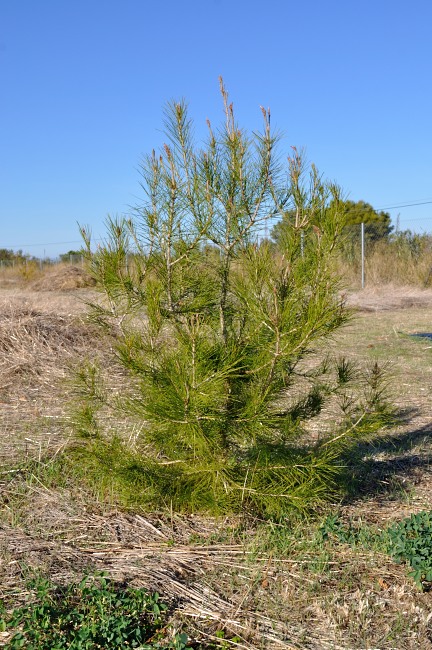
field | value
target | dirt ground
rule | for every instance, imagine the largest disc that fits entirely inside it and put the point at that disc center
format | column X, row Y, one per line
column 383, row 298
column 390, row 297
column 358, row 600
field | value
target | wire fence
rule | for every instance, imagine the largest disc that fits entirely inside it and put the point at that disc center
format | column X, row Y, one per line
column 19, row 261
column 371, row 254
column 374, row 256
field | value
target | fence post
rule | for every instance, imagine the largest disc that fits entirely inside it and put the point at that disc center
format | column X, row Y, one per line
column 362, row 256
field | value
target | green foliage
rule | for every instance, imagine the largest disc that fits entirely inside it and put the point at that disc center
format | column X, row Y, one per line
column 72, row 255
column 377, row 223
column 9, row 256
column 96, row 613
column 377, row 392
column 354, row 534
column 409, row 540
column 226, row 643
column 214, row 330
column 6, row 255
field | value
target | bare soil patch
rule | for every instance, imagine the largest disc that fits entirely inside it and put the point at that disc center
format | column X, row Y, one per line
column 390, row 297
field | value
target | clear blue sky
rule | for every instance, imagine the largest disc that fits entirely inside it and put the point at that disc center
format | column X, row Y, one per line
column 83, row 84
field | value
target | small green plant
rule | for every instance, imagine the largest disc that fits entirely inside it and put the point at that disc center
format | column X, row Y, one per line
column 410, row 540
column 95, row 614
column 353, row 534
column 29, row 270
column 224, row 643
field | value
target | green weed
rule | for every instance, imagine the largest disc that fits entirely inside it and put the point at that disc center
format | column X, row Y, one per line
column 410, row 540
column 96, row 613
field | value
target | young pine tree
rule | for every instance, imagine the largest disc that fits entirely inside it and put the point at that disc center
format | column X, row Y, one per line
column 212, row 324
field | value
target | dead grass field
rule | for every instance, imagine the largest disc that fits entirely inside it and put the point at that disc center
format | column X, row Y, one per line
column 219, row 573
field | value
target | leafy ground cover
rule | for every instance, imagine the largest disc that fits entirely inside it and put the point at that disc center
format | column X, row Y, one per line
column 230, row 582
column 96, row 613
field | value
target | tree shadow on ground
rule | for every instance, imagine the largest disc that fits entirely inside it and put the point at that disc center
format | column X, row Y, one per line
column 388, row 465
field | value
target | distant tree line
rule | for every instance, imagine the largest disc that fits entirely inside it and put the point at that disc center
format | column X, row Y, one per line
column 377, row 223
column 9, row 257
column 75, row 256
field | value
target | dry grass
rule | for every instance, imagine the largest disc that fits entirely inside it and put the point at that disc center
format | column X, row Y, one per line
column 63, row 278
column 275, row 588
column 404, row 259
column 58, row 277
column 41, row 336
column 386, row 264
